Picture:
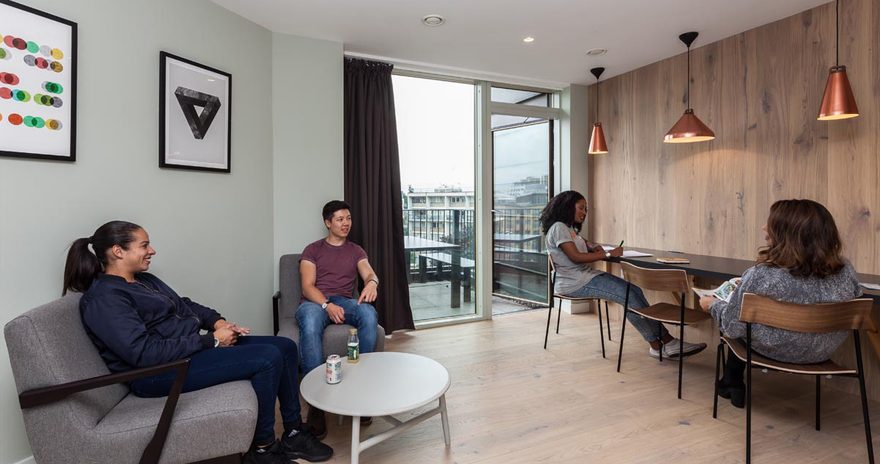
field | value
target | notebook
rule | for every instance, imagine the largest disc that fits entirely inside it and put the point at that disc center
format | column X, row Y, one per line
column 670, row 260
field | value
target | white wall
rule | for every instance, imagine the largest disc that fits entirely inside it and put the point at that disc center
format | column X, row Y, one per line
column 307, row 87
column 213, row 232
column 572, row 169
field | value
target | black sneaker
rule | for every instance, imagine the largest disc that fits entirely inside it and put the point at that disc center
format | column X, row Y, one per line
column 736, row 393
column 269, row 455
column 302, row 444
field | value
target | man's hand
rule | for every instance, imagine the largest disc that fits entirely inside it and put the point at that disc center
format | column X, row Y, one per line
column 226, row 335
column 617, row 252
column 706, row 302
column 369, row 293
column 336, row 313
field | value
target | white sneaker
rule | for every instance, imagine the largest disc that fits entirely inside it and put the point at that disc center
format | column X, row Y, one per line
column 671, row 349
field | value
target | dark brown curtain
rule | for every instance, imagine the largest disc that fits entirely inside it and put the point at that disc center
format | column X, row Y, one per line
column 372, row 185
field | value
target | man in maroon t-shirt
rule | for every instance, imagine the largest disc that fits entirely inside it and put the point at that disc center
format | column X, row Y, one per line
column 328, row 269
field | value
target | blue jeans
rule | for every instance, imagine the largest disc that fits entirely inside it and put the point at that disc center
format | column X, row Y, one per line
column 270, row 363
column 613, row 288
column 313, row 320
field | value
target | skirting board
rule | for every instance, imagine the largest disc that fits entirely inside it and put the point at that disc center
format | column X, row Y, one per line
column 27, row 460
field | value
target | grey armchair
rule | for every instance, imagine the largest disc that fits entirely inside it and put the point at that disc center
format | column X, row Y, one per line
column 76, row 411
column 286, row 301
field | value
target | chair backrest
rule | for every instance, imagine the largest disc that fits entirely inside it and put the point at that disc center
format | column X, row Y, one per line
column 663, row 280
column 48, row 346
column 811, row 318
column 289, row 284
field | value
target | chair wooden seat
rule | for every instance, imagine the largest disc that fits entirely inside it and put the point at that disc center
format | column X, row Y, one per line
column 662, row 280
column 739, row 348
column 671, row 314
column 576, row 298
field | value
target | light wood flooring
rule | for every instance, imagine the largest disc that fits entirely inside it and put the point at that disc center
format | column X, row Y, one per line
column 513, row 402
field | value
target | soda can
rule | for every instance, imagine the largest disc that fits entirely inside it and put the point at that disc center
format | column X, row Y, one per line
column 334, row 369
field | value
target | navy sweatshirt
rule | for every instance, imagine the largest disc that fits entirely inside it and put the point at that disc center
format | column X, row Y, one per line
column 143, row 323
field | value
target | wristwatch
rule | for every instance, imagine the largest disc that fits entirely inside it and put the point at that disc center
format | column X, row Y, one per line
column 216, row 342
column 607, row 254
column 325, row 304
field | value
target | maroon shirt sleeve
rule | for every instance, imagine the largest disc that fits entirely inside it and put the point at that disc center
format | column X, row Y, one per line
column 310, row 254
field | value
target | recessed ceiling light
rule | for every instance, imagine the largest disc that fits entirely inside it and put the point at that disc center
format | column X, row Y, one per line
column 597, row 51
column 529, row 39
column 433, row 20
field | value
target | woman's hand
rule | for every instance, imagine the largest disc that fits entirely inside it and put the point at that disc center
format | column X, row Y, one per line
column 226, row 335
column 617, row 252
column 706, row 302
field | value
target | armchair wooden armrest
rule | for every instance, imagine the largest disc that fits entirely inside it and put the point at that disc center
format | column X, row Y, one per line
column 275, row 299
column 46, row 395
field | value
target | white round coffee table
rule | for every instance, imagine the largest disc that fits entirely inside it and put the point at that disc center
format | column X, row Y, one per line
column 380, row 385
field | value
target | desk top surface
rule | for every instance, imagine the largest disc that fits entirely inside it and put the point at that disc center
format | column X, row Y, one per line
column 715, row 267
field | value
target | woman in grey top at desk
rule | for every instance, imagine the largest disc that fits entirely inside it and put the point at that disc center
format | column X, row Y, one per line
column 561, row 222
column 800, row 264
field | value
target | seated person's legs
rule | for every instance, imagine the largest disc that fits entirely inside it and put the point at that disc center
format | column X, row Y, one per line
column 610, row 287
column 364, row 317
column 259, row 363
column 312, row 320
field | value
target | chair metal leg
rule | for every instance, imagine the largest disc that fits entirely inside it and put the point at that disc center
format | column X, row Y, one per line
column 818, row 399
column 680, row 356
column 601, row 330
column 608, row 320
column 559, row 315
column 717, row 369
column 547, row 331
column 622, row 333
column 864, row 396
column 749, row 394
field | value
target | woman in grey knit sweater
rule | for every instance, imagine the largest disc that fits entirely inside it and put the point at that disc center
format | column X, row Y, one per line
column 800, row 264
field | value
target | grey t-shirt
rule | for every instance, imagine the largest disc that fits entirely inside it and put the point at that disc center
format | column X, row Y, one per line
column 570, row 276
column 779, row 284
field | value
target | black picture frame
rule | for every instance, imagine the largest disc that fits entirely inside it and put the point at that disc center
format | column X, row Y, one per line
column 38, row 67
column 195, row 115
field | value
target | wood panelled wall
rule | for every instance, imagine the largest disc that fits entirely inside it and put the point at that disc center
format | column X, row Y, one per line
column 760, row 92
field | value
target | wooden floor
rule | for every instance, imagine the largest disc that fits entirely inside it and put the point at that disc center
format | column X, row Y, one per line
column 513, row 402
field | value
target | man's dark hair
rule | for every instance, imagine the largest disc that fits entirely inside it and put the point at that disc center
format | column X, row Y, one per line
column 332, row 207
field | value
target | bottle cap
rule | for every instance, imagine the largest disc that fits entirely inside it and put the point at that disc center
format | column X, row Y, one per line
column 352, row 331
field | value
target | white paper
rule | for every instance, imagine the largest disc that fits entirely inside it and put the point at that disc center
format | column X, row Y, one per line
column 634, row 254
column 870, row 286
column 723, row 292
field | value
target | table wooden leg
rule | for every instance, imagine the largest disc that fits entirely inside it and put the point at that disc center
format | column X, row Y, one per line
column 355, row 439
column 444, row 419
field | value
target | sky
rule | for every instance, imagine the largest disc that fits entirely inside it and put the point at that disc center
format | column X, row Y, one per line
column 425, row 108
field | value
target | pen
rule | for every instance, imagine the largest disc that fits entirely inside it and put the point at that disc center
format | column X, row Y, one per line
column 621, row 244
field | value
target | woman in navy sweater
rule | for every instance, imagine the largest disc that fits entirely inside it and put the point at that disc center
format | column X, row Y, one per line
column 136, row 320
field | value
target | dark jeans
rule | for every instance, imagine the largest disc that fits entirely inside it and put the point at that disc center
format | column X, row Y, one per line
column 312, row 320
column 270, row 363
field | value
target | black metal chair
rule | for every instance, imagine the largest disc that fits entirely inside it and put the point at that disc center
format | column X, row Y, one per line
column 573, row 299
column 817, row 318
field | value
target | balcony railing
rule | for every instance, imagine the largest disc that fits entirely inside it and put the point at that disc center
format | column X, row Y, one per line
column 519, row 259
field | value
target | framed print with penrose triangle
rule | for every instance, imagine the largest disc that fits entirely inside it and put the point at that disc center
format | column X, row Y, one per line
column 194, row 115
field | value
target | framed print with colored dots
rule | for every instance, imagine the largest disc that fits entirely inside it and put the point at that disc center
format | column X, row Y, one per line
column 37, row 84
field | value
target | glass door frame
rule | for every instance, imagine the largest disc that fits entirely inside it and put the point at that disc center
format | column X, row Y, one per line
column 484, row 182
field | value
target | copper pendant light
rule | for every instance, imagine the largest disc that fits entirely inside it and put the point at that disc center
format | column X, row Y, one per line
column 838, row 101
column 597, row 139
column 689, row 128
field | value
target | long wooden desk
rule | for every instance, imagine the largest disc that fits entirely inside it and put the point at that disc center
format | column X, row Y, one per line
column 717, row 268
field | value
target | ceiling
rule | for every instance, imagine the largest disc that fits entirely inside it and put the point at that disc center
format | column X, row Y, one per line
column 483, row 38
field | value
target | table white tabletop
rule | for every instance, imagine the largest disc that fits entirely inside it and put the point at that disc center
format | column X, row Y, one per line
column 380, row 384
